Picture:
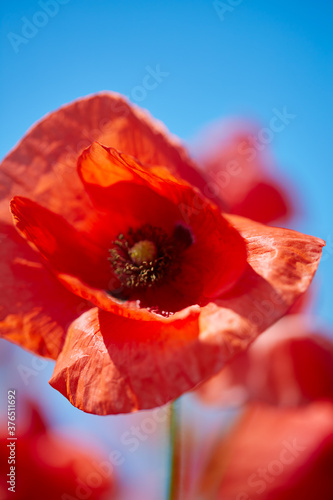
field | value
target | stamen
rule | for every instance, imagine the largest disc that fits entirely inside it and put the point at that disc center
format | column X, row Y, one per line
column 147, row 257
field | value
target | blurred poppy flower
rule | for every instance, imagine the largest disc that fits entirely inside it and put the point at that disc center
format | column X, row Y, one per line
column 240, row 173
column 46, row 465
column 179, row 289
column 274, row 454
column 289, row 365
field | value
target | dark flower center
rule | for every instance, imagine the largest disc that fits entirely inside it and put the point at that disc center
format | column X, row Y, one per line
column 148, row 257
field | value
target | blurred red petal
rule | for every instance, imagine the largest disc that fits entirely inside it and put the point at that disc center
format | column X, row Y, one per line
column 289, row 365
column 48, row 465
column 239, row 171
column 263, row 203
column 280, row 455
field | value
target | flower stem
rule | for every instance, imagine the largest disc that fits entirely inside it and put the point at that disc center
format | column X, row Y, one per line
column 175, row 456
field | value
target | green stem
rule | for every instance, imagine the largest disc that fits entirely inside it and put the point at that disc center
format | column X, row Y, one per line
column 175, row 456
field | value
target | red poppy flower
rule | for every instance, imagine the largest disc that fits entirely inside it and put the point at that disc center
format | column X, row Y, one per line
column 274, row 454
column 46, row 465
column 179, row 288
column 289, row 365
column 240, row 173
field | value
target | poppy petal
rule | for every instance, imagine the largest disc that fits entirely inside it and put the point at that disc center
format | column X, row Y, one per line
column 64, row 249
column 119, row 185
column 129, row 364
column 35, row 308
column 145, row 364
column 43, row 164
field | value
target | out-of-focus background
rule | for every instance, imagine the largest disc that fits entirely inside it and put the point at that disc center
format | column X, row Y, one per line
column 212, row 60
